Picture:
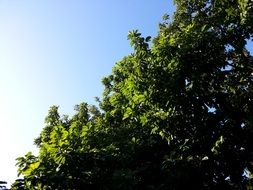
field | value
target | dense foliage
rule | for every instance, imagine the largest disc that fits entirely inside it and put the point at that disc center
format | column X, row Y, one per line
column 176, row 114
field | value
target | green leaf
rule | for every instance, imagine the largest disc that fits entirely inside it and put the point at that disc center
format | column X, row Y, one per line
column 31, row 168
column 143, row 119
column 137, row 99
column 203, row 28
column 127, row 113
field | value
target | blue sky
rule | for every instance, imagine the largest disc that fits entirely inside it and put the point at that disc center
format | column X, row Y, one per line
column 55, row 52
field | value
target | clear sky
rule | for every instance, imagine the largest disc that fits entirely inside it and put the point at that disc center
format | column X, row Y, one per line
column 55, row 52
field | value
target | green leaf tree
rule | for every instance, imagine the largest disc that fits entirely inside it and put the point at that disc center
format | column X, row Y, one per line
column 175, row 114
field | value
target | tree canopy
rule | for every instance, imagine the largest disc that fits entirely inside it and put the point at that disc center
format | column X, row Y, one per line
column 175, row 114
